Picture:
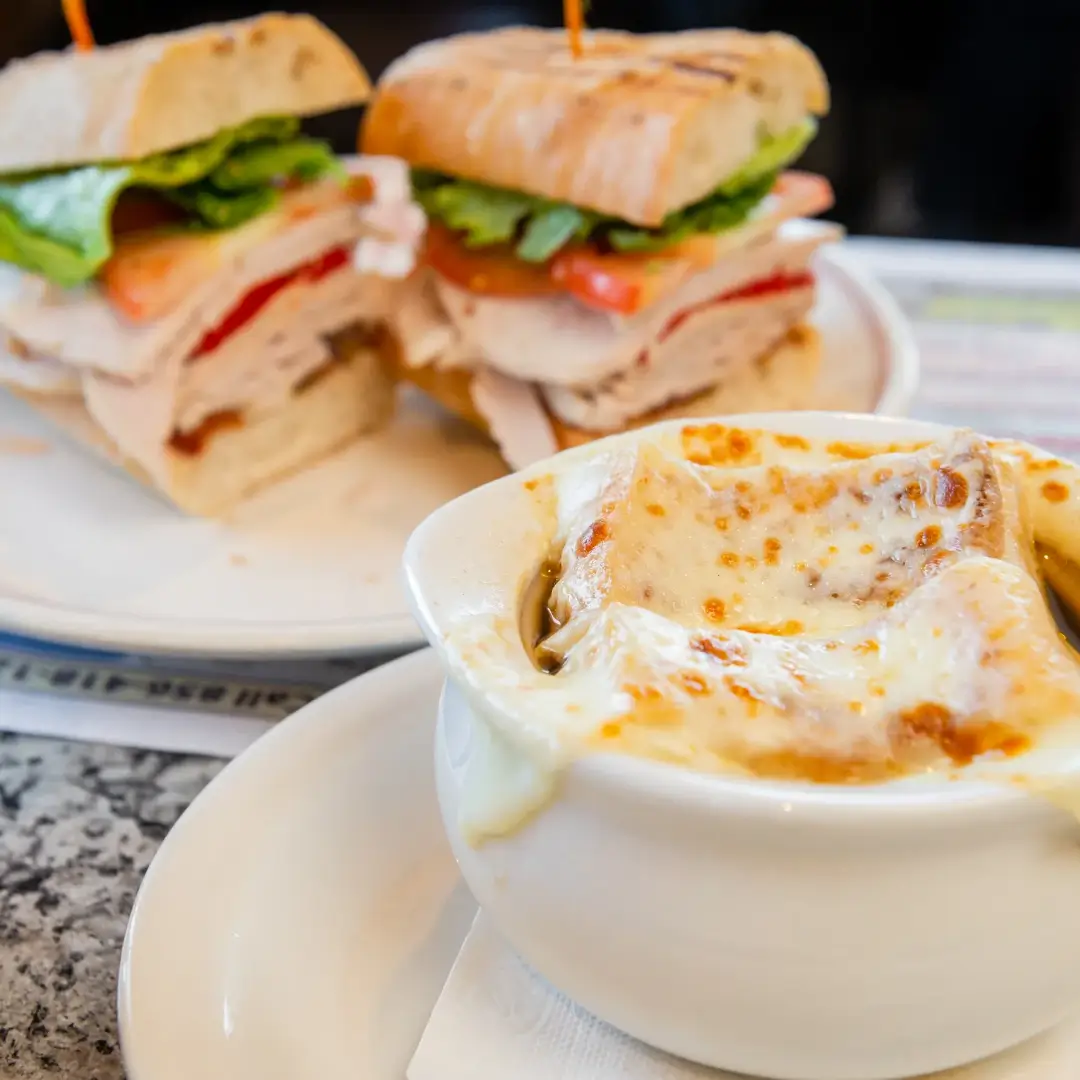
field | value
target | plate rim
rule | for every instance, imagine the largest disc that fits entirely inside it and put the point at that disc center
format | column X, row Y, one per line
column 225, row 639
column 334, row 710
column 896, row 339
column 242, row 639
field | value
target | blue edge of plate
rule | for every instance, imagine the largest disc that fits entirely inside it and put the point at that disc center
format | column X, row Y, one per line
column 48, row 648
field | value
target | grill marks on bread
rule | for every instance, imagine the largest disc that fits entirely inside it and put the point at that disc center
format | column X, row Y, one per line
column 639, row 126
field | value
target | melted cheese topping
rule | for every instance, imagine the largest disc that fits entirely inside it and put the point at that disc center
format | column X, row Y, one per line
column 778, row 550
column 767, row 606
column 965, row 666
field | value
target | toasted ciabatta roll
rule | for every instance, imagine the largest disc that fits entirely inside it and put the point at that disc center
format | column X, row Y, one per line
column 165, row 91
column 207, row 471
column 639, row 126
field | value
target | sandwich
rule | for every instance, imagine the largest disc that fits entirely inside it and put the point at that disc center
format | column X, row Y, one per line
column 188, row 283
column 611, row 230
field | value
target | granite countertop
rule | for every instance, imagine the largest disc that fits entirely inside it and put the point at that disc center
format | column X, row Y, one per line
column 79, row 824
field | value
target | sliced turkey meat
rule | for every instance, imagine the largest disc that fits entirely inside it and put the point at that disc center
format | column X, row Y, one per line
column 393, row 224
column 704, row 346
column 254, row 370
column 559, row 341
column 25, row 370
column 598, row 371
column 515, row 417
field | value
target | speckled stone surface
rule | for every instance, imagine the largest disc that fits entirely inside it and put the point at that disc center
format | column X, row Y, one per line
column 78, row 827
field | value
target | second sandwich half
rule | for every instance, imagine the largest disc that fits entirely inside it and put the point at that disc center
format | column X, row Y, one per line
column 187, row 283
column 610, row 236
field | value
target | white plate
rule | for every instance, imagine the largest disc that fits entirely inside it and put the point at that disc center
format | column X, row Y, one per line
column 301, row 918
column 309, row 567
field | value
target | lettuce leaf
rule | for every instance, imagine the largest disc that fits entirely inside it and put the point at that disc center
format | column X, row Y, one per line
column 264, row 161
column 713, row 214
column 773, row 154
column 539, row 228
column 59, row 224
column 485, row 215
column 551, row 228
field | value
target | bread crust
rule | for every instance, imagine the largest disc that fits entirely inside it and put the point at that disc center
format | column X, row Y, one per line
column 127, row 101
column 641, row 125
column 780, row 380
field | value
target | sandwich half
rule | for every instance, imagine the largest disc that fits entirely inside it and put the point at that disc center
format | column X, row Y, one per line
column 187, row 283
column 611, row 236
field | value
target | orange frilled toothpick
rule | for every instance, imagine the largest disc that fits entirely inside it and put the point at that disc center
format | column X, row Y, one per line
column 78, row 24
column 574, row 18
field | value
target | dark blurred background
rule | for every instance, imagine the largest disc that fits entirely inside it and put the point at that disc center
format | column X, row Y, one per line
column 955, row 119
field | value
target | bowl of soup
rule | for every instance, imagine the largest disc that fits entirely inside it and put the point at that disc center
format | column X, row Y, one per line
column 759, row 739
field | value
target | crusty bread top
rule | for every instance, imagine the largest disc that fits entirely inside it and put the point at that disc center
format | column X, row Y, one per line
column 637, row 127
column 122, row 102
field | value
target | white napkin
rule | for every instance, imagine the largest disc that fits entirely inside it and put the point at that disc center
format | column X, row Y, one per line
column 498, row 1020
column 175, row 731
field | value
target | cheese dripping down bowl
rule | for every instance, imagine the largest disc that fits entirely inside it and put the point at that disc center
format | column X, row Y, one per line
column 789, row 786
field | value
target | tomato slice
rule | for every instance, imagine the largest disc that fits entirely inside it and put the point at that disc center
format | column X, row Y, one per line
column 250, row 305
column 151, row 273
column 619, row 283
column 778, row 283
column 623, row 284
column 491, row 271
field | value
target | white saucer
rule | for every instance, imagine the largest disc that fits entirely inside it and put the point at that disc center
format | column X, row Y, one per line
column 309, row 567
column 302, row 917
